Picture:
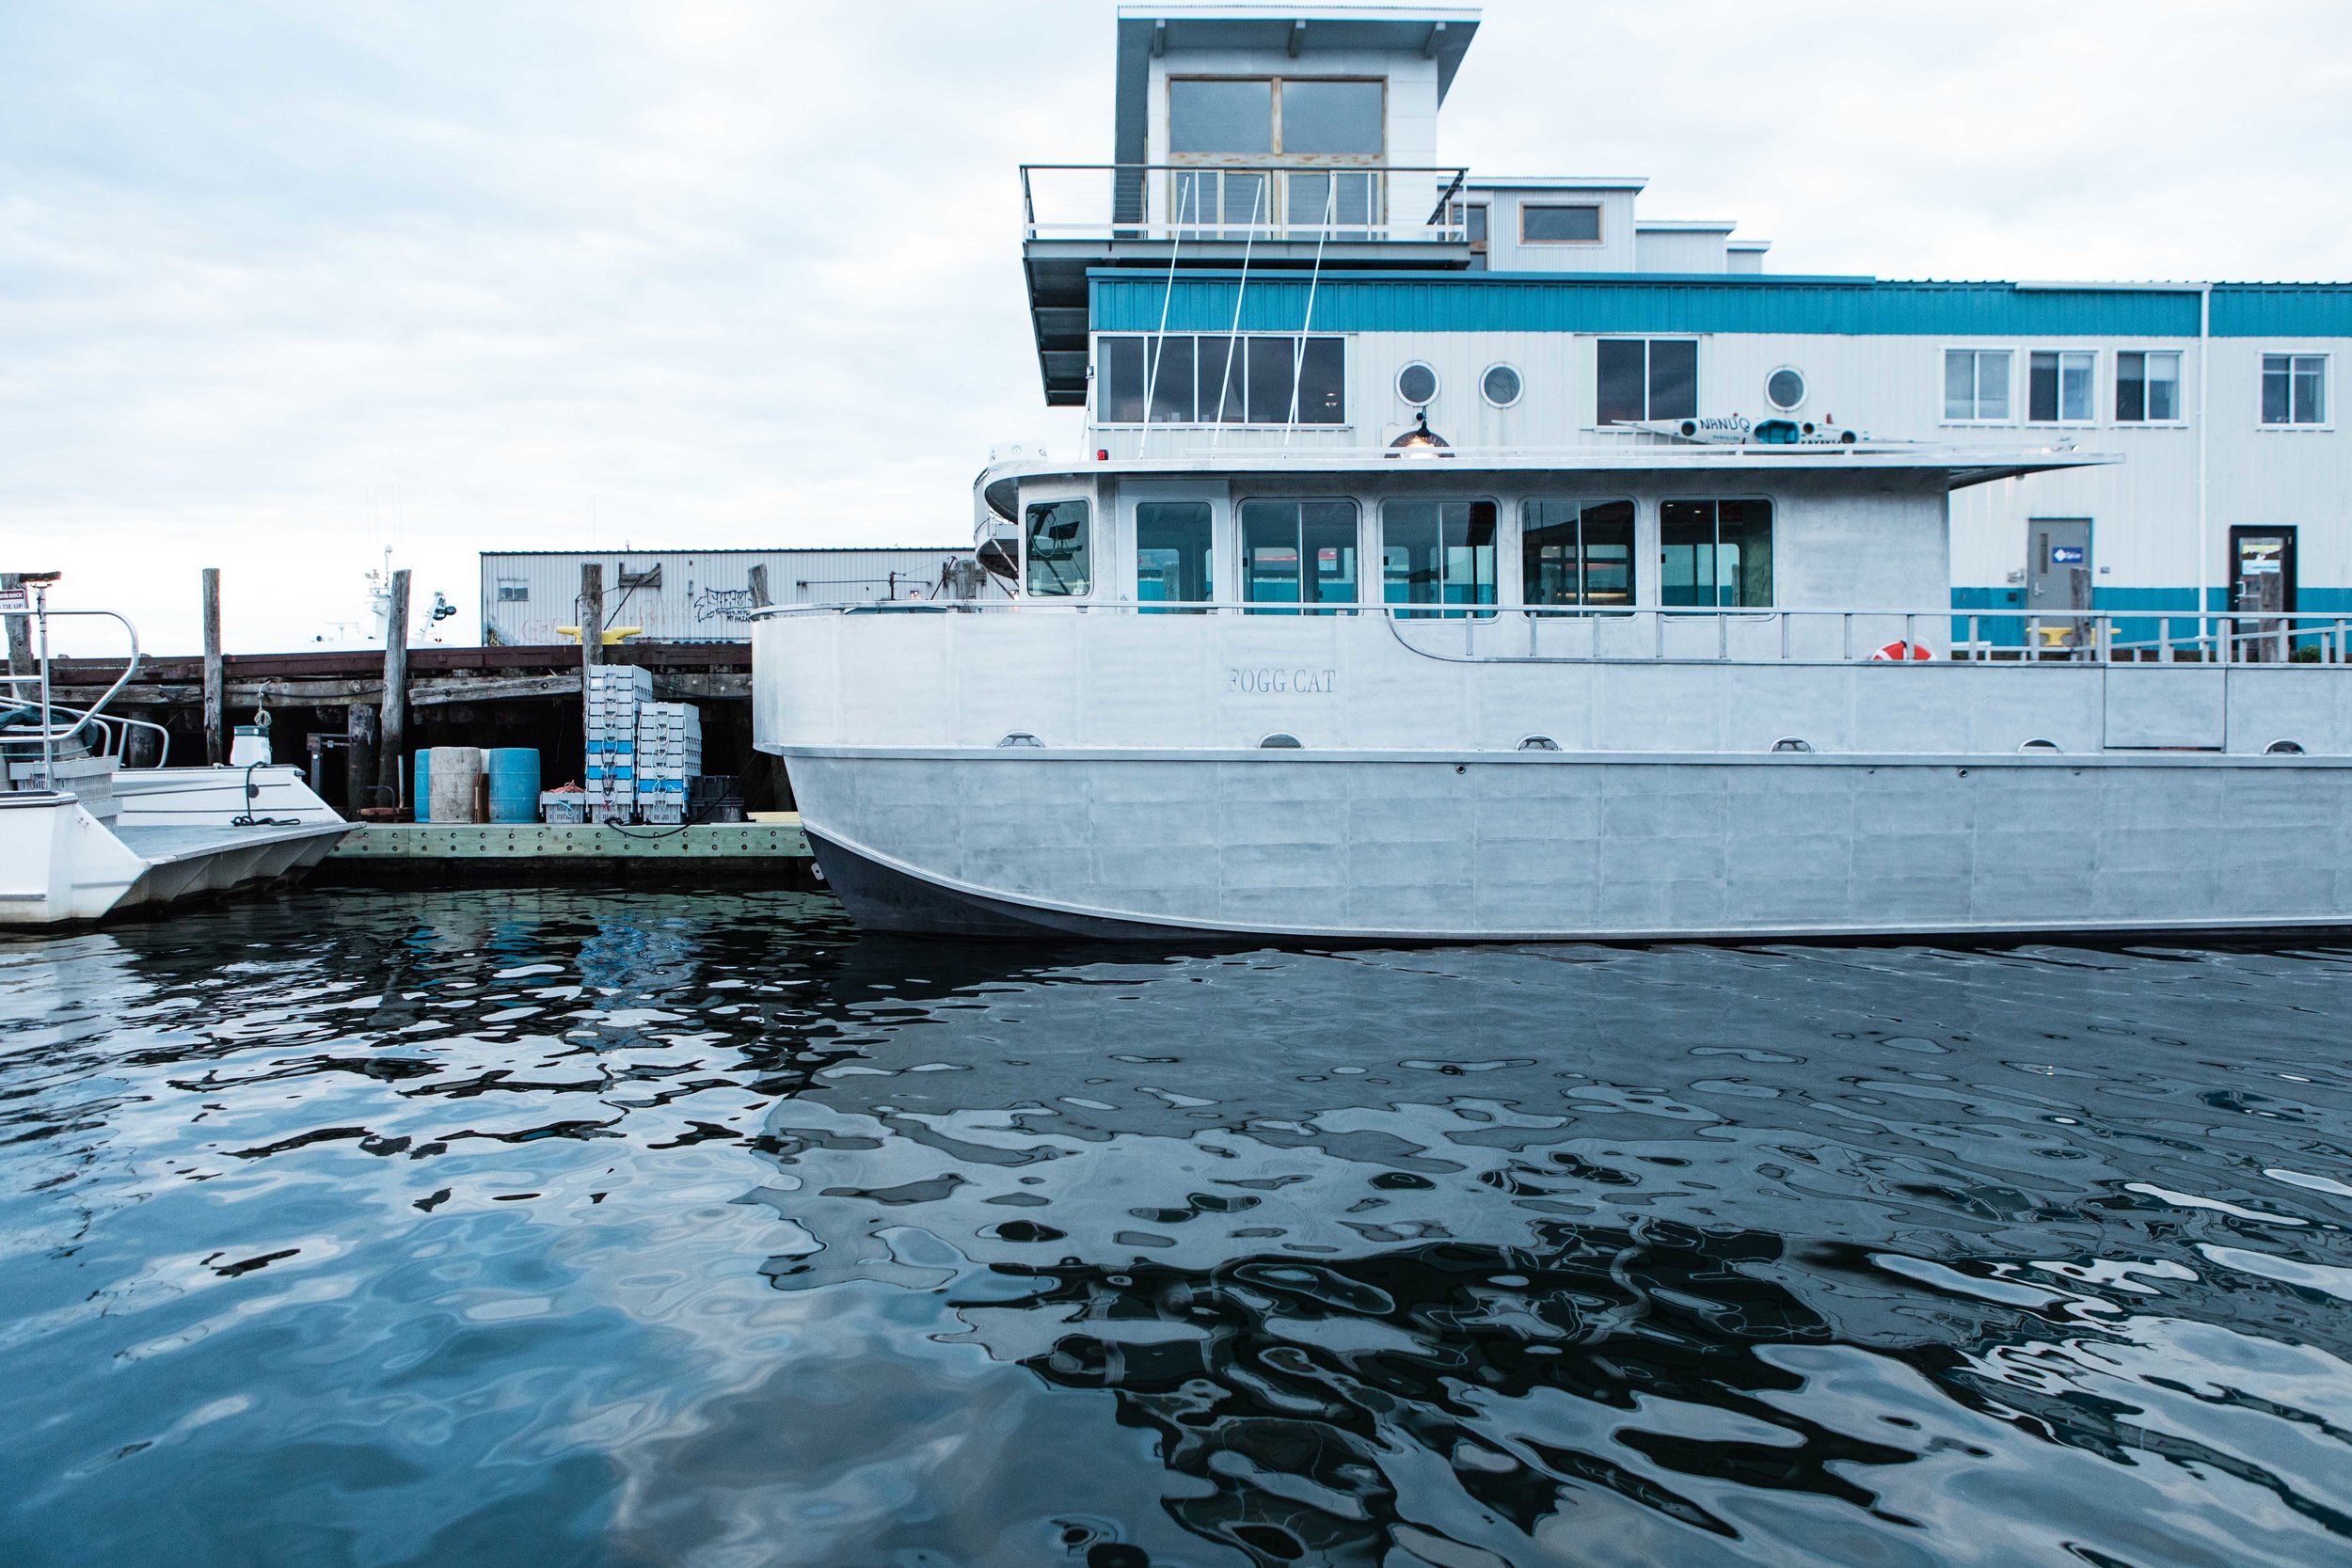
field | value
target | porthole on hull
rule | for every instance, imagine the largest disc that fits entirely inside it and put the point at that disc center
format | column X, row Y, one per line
column 1277, row 741
column 1417, row 383
column 2283, row 749
column 1539, row 743
column 1792, row 743
column 1020, row 738
column 2039, row 745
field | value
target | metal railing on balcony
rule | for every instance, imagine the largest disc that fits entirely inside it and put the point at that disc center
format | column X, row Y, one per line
column 1242, row 203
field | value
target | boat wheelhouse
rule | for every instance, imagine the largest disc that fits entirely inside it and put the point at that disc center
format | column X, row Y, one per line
column 1398, row 595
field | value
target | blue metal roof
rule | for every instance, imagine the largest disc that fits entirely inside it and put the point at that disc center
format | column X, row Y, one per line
column 1127, row 301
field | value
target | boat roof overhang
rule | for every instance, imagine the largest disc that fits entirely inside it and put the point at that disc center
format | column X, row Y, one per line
column 1956, row 467
column 1061, row 305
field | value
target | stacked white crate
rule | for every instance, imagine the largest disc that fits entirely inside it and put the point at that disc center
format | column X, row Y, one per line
column 616, row 694
column 668, row 753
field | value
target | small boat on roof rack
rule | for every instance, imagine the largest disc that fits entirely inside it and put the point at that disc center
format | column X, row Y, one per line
column 83, row 836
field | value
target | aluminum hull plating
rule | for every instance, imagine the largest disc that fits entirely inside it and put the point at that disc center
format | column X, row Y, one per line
column 1476, row 846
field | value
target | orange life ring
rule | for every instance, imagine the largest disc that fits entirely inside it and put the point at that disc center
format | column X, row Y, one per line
column 1903, row 652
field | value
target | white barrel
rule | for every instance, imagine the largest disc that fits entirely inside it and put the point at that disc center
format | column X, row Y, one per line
column 454, row 778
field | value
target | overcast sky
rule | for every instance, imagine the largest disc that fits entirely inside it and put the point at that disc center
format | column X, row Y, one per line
column 282, row 283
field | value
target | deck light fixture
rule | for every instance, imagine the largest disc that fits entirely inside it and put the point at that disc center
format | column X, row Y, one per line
column 1420, row 441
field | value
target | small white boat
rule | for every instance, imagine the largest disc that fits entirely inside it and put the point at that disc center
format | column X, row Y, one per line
column 83, row 837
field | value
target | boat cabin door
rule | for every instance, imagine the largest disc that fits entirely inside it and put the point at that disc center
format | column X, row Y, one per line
column 2057, row 582
column 2261, row 590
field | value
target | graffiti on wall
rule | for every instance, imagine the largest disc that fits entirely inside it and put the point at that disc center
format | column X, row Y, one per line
column 723, row 604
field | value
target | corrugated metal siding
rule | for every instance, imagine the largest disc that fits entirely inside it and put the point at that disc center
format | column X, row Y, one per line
column 1490, row 302
column 705, row 597
column 2281, row 311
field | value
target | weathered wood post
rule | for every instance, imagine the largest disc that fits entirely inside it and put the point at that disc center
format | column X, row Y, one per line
column 358, row 756
column 215, row 680
column 396, row 690
column 20, row 631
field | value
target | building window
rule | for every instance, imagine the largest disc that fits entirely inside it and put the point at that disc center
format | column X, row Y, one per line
column 1297, row 552
column 1975, row 385
column 1559, row 223
column 2146, row 387
column 1057, row 547
column 2294, row 388
column 513, row 590
column 2059, row 385
column 1437, row 553
column 1785, row 389
column 1209, row 380
column 1574, row 552
column 1500, row 386
column 1417, row 383
column 1647, row 379
column 1172, row 552
column 1716, row 553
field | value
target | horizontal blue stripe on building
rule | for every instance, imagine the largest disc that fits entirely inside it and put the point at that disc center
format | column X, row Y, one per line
column 1544, row 302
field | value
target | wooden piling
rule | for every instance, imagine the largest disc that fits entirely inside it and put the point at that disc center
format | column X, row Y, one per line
column 215, row 680
column 20, row 631
column 395, row 712
column 359, row 758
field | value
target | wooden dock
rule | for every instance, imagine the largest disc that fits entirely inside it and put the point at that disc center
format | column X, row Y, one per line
column 767, row 854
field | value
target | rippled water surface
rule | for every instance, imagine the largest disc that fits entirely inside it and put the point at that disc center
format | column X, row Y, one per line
column 569, row 1228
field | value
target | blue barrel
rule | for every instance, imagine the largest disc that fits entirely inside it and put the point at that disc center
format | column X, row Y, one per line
column 421, row 793
column 514, row 772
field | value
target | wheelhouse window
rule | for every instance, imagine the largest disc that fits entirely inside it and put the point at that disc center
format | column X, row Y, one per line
column 1646, row 378
column 1298, row 552
column 1439, row 553
column 2294, row 388
column 1219, row 380
column 1716, row 552
column 2147, row 386
column 1173, row 558
column 1577, row 552
column 1975, row 386
column 1303, row 120
column 1057, row 547
column 1559, row 223
column 2059, row 384
column 1294, row 116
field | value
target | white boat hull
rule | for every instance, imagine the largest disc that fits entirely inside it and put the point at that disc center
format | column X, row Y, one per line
column 160, row 837
column 1469, row 846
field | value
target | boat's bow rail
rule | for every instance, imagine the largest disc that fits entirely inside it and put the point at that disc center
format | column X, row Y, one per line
column 36, row 730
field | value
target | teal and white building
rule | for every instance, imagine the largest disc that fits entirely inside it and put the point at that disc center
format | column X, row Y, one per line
column 1278, row 196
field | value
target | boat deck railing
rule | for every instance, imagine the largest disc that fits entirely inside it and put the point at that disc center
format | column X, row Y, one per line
column 1508, row 633
column 1243, row 203
column 53, row 723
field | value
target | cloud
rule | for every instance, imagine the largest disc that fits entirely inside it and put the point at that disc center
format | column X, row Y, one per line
column 282, row 283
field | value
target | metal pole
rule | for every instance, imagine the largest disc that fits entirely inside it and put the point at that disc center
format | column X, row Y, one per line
column 48, row 741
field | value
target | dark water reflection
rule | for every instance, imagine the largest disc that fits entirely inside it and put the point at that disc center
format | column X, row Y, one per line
column 566, row 1228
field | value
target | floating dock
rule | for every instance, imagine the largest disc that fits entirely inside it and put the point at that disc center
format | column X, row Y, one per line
column 768, row 854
